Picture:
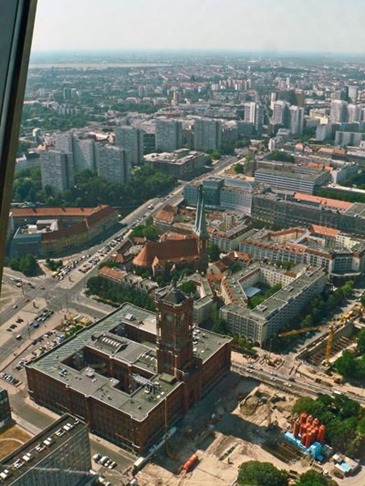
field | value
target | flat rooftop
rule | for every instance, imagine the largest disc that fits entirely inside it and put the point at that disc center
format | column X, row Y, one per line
column 108, row 337
column 38, row 448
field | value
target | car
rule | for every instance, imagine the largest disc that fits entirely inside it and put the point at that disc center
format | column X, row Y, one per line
column 112, row 465
column 15, row 306
column 107, row 463
column 18, row 337
column 9, row 329
column 19, row 320
column 96, row 457
column 13, row 326
column 103, row 460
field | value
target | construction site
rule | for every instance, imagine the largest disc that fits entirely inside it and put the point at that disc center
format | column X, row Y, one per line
column 341, row 334
column 248, row 424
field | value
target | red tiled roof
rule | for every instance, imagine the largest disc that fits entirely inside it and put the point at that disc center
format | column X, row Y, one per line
column 323, row 230
column 166, row 214
column 56, row 212
column 324, row 201
column 113, row 273
column 167, row 251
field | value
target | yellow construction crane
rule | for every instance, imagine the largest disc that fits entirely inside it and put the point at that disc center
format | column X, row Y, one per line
column 331, row 329
column 293, row 332
column 331, row 332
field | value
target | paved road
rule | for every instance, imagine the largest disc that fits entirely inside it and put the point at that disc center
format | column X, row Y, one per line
column 300, row 386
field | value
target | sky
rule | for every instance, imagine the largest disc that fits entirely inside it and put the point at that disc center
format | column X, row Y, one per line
column 328, row 26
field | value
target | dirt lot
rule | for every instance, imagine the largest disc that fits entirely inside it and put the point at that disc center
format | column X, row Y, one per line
column 11, row 439
column 248, row 417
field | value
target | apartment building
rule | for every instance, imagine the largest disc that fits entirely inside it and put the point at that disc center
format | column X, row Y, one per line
column 266, row 319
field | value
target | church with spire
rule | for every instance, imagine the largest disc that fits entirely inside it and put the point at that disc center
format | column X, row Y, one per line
column 177, row 250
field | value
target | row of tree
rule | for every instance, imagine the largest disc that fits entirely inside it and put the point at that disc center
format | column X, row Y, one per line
column 26, row 264
column 118, row 294
column 348, row 196
column 90, row 190
column 255, row 473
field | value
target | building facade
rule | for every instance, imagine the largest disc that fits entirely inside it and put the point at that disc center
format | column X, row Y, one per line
column 58, row 456
column 317, row 246
column 112, row 164
column 5, row 410
column 207, row 135
column 57, row 169
column 131, row 140
column 265, row 320
column 125, row 390
column 182, row 163
column 223, row 193
column 304, row 210
column 168, row 135
column 293, row 179
column 50, row 232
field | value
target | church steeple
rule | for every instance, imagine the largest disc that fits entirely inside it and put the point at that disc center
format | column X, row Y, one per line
column 200, row 226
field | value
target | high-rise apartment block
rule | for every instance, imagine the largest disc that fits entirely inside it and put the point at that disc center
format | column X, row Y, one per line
column 338, row 111
column 354, row 113
column 353, row 92
column 281, row 114
column 131, row 140
column 168, row 135
column 296, row 120
column 254, row 114
column 82, row 149
column 57, row 169
column 207, row 135
column 112, row 164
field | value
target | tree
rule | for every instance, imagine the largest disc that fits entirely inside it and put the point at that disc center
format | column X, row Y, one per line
column 26, row 264
column 220, row 326
column 314, row 478
column 281, row 156
column 188, row 287
column 361, row 341
column 214, row 252
column 29, row 266
column 255, row 473
column 239, row 168
column 346, row 364
column 215, row 154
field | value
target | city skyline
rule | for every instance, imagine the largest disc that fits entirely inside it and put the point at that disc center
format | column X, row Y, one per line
column 268, row 26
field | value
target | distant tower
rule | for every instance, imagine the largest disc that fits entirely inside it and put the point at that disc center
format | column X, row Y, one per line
column 200, row 230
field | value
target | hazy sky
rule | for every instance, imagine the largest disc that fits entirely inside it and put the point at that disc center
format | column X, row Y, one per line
column 279, row 25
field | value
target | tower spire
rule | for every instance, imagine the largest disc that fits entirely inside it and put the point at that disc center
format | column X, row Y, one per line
column 200, row 226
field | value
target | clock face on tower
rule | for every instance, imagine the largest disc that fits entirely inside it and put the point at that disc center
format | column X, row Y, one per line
column 169, row 318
